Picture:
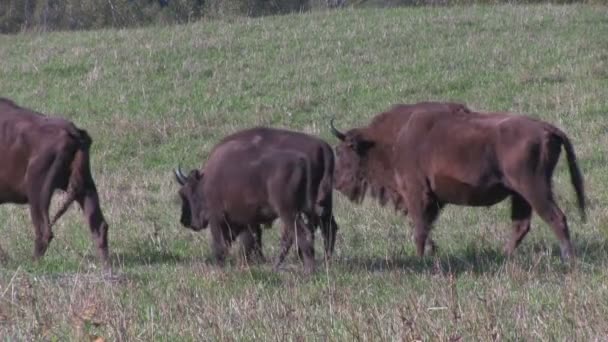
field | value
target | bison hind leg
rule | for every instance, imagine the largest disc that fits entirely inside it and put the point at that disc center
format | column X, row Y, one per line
column 329, row 230
column 305, row 245
column 539, row 195
column 521, row 214
column 285, row 244
column 291, row 224
column 89, row 203
column 44, row 172
column 251, row 240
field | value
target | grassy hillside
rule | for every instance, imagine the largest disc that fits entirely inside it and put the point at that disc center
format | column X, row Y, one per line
column 156, row 97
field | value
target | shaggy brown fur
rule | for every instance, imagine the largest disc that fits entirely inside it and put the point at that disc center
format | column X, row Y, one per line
column 41, row 154
column 452, row 155
column 242, row 188
column 321, row 158
column 363, row 162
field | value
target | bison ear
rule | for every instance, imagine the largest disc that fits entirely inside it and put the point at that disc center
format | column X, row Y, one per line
column 196, row 175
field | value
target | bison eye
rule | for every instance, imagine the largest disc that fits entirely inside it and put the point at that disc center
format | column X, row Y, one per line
column 361, row 146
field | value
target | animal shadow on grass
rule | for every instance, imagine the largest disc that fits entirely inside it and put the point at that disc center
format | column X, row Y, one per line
column 486, row 260
column 149, row 254
column 472, row 259
column 145, row 254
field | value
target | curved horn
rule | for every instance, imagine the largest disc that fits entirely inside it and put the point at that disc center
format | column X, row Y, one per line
column 179, row 175
column 335, row 132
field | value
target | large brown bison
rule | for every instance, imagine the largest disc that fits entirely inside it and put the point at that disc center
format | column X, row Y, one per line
column 423, row 156
column 321, row 158
column 242, row 187
column 39, row 155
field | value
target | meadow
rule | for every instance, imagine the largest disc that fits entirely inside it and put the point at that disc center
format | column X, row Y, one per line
column 156, row 97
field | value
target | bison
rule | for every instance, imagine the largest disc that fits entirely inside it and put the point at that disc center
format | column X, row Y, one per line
column 41, row 154
column 321, row 158
column 423, row 156
column 241, row 188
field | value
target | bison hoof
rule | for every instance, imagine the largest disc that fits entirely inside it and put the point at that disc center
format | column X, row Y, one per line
column 567, row 253
column 508, row 250
column 309, row 271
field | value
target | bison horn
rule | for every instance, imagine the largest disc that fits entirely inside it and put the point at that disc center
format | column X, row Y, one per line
column 335, row 132
column 179, row 175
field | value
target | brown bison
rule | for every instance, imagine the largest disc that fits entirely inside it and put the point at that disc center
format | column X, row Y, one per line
column 41, row 154
column 242, row 187
column 321, row 158
column 426, row 155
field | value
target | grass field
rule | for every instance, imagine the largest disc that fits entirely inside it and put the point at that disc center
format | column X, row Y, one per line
column 152, row 98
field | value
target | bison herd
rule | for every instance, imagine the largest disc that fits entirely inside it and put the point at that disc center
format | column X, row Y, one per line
column 419, row 157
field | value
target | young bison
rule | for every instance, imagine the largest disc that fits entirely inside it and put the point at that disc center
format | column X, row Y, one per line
column 241, row 189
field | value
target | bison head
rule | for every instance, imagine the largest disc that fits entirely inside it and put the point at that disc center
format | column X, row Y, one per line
column 350, row 170
column 194, row 206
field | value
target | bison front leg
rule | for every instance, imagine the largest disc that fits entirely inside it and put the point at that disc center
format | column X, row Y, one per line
column 424, row 212
column 258, row 249
column 42, row 173
column 252, row 242
column 218, row 243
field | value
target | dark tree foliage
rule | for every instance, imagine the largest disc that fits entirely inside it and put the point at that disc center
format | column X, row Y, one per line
column 47, row 15
column 18, row 15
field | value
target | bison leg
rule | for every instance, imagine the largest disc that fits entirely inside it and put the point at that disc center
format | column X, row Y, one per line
column 553, row 216
column 258, row 249
column 423, row 209
column 252, row 242
column 423, row 218
column 538, row 193
column 43, row 237
column 42, row 174
column 521, row 214
column 303, row 240
column 312, row 222
column 329, row 230
column 218, row 242
column 286, row 242
column 89, row 203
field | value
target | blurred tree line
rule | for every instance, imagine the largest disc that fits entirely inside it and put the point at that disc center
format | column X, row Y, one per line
column 18, row 15
column 46, row 15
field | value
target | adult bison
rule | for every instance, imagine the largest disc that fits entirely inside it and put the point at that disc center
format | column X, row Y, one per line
column 241, row 188
column 39, row 155
column 423, row 156
column 321, row 159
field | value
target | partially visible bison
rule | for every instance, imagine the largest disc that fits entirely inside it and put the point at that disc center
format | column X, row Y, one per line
column 321, row 158
column 242, row 187
column 423, row 156
column 39, row 155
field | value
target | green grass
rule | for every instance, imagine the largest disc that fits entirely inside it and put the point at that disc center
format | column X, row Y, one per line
column 152, row 98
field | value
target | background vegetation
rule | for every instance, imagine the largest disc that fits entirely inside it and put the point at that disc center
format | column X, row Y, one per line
column 155, row 97
column 47, row 15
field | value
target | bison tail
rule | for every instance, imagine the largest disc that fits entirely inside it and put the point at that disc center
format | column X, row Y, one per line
column 79, row 171
column 576, row 177
column 323, row 202
column 310, row 192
